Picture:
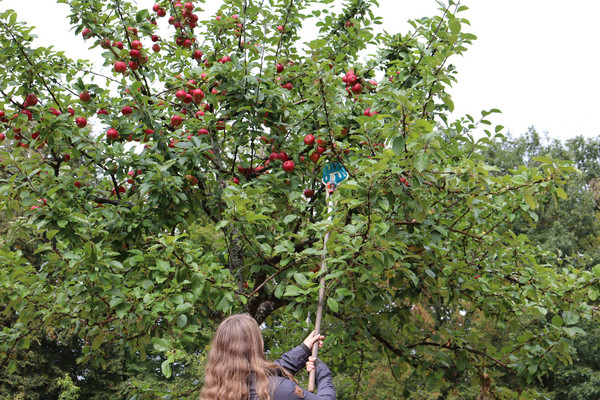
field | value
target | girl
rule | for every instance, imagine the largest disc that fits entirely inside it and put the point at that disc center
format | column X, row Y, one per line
column 237, row 368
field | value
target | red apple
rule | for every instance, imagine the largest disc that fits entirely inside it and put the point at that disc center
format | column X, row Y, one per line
column 280, row 28
column 134, row 53
column 77, row 184
column 102, row 111
column 203, row 131
column 197, row 54
column 136, row 44
column 133, row 65
column 31, row 100
column 288, row 166
column 112, row 134
column 357, row 88
column 180, row 94
column 127, row 110
column 118, row 45
column 120, row 66
column 279, row 68
column 81, row 122
column 85, row 97
column 86, row 32
column 198, row 95
column 315, row 157
column 309, row 140
column 176, row 120
column 2, row 137
column 309, row 193
column 156, row 48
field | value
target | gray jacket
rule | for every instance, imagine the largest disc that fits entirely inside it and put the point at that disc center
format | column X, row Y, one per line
column 285, row 389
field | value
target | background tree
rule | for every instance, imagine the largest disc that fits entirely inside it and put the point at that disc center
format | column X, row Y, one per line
column 209, row 126
column 569, row 228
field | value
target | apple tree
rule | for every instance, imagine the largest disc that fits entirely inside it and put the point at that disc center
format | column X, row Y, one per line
column 180, row 182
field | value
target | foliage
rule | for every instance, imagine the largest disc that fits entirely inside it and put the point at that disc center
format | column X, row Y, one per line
column 189, row 146
column 69, row 390
column 571, row 228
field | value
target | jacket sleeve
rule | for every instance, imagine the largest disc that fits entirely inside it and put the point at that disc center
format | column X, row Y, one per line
column 288, row 390
column 295, row 359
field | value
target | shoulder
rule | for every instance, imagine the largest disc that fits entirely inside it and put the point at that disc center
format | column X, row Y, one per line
column 285, row 389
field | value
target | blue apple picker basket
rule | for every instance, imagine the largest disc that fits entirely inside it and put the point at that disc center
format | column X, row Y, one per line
column 333, row 175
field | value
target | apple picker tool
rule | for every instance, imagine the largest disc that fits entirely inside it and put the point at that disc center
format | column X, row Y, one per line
column 333, row 175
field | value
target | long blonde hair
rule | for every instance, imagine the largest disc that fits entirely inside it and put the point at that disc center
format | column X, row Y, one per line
column 237, row 351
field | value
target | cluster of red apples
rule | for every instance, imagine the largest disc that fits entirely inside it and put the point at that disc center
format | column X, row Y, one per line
column 191, row 93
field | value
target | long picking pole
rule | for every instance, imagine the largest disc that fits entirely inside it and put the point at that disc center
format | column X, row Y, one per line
column 323, row 271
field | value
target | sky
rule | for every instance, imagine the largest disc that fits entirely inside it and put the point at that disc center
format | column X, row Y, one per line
column 535, row 60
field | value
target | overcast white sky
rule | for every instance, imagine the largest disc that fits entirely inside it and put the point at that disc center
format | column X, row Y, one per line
column 536, row 60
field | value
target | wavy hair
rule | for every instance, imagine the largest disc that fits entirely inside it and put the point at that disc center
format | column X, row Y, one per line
column 235, row 358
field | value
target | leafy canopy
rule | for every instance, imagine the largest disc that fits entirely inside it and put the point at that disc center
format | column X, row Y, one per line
column 158, row 198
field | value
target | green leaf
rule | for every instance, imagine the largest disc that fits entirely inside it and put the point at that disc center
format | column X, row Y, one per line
column 185, row 307
column 301, row 279
column 97, row 342
column 182, row 321
column 530, row 201
column 292, row 290
column 557, row 321
column 333, row 305
column 122, row 309
column 398, row 145
column 454, row 26
column 12, row 366
column 421, row 161
column 165, row 368
column 289, row 218
column 560, row 192
column 221, row 224
column 161, row 345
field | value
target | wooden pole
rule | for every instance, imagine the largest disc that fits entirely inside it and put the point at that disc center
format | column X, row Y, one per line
column 321, row 304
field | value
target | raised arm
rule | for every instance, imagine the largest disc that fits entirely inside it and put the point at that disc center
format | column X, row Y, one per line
column 288, row 390
column 295, row 359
